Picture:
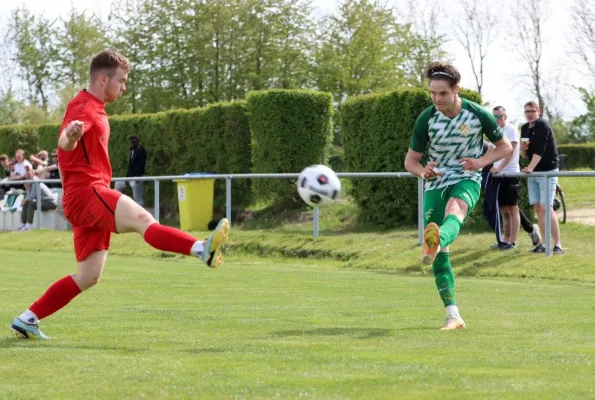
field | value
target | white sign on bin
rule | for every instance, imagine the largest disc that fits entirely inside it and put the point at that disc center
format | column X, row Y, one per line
column 181, row 192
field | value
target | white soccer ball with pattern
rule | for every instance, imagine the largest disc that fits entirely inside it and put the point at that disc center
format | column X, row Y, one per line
column 318, row 185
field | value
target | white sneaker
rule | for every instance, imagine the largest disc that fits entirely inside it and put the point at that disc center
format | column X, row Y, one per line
column 453, row 322
column 535, row 236
column 21, row 227
column 28, row 227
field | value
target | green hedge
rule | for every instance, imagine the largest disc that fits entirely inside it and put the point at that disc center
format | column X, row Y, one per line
column 376, row 133
column 13, row 137
column 47, row 137
column 578, row 155
column 213, row 139
column 291, row 129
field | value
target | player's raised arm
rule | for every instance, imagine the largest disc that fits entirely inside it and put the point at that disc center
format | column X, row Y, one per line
column 70, row 135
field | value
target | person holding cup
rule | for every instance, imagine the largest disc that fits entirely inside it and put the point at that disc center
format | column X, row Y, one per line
column 538, row 145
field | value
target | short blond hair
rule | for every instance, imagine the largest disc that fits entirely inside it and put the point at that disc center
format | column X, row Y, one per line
column 108, row 61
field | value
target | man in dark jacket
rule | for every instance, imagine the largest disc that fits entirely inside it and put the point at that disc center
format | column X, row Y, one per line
column 136, row 167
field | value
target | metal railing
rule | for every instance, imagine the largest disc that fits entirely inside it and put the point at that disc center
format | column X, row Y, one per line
column 228, row 195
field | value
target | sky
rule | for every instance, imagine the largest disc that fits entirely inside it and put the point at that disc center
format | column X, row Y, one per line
column 502, row 67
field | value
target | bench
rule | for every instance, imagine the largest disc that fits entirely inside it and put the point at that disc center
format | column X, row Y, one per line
column 11, row 207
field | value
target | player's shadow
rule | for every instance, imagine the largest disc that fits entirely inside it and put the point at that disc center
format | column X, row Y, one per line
column 464, row 256
column 360, row 333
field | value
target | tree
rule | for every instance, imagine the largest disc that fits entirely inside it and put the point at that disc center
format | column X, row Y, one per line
column 530, row 16
column 294, row 38
column 583, row 38
column 360, row 50
column 36, row 53
column 10, row 108
column 583, row 126
column 425, row 43
column 475, row 32
column 78, row 37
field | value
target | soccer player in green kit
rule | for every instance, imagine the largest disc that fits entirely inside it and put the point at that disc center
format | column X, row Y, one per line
column 451, row 131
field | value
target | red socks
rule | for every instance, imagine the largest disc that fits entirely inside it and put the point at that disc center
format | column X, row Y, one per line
column 56, row 297
column 165, row 238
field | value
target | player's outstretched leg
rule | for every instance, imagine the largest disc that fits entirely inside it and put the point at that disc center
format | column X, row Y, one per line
column 59, row 294
column 445, row 283
column 165, row 238
column 130, row 217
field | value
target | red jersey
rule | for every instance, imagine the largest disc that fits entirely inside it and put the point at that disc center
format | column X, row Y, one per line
column 88, row 164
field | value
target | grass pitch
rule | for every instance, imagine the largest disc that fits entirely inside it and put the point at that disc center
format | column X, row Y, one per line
column 278, row 328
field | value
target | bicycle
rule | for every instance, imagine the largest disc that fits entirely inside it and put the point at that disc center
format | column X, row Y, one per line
column 560, row 203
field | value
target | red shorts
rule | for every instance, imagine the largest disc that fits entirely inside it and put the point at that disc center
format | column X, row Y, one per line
column 91, row 211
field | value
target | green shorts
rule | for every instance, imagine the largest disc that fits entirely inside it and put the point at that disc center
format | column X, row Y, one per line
column 435, row 200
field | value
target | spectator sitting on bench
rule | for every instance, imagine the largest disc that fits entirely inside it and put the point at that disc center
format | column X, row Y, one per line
column 48, row 202
column 4, row 173
column 39, row 161
column 19, row 170
column 51, row 171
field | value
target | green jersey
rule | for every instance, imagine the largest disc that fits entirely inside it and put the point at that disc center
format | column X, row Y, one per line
column 450, row 139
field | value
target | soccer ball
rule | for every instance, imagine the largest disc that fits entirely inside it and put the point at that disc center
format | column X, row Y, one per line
column 318, row 185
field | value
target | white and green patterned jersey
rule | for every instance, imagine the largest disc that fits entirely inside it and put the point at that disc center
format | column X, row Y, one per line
column 447, row 140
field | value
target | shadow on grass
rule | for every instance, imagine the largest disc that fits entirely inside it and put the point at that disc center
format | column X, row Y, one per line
column 12, row 342
column 203, row 351
column 361, row 333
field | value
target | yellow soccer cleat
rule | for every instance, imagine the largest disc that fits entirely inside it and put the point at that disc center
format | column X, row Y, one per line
column 431, row 243
column 211, row 255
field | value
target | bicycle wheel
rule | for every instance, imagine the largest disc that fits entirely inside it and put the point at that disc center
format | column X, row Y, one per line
column 560, row 198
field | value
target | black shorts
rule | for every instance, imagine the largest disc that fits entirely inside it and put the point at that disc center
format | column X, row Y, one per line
column 508, row 194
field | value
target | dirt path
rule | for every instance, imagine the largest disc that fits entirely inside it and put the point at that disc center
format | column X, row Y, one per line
column 585, row 216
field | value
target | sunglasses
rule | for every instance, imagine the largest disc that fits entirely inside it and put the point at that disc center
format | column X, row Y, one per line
column 499, row 116
column 54, row 155
column 530, row 111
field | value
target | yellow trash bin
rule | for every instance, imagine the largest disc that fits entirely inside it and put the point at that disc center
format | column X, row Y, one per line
column 195, row 200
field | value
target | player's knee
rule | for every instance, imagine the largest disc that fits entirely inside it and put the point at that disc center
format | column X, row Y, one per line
column 93, row 280
column 144, row 219
column 86, row 281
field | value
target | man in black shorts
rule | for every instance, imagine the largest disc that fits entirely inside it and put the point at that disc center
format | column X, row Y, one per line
column 507, row 191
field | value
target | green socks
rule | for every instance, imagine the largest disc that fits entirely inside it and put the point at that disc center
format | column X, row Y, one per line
column 445, row 279
column 449, row 230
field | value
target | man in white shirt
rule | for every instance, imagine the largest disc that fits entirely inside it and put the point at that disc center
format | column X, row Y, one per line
column 508, row 194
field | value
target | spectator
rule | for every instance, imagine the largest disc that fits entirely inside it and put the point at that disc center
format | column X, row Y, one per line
column 4, row 165
column 48, row 202
column 4, row 173
column 51, row 171
column 491, row 211
column 538, row 144
column 136, row 167
column 20, row 167
column 509, row 188
column 40, row 161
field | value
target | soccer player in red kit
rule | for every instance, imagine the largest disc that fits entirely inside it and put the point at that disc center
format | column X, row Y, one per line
column 95, row 210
